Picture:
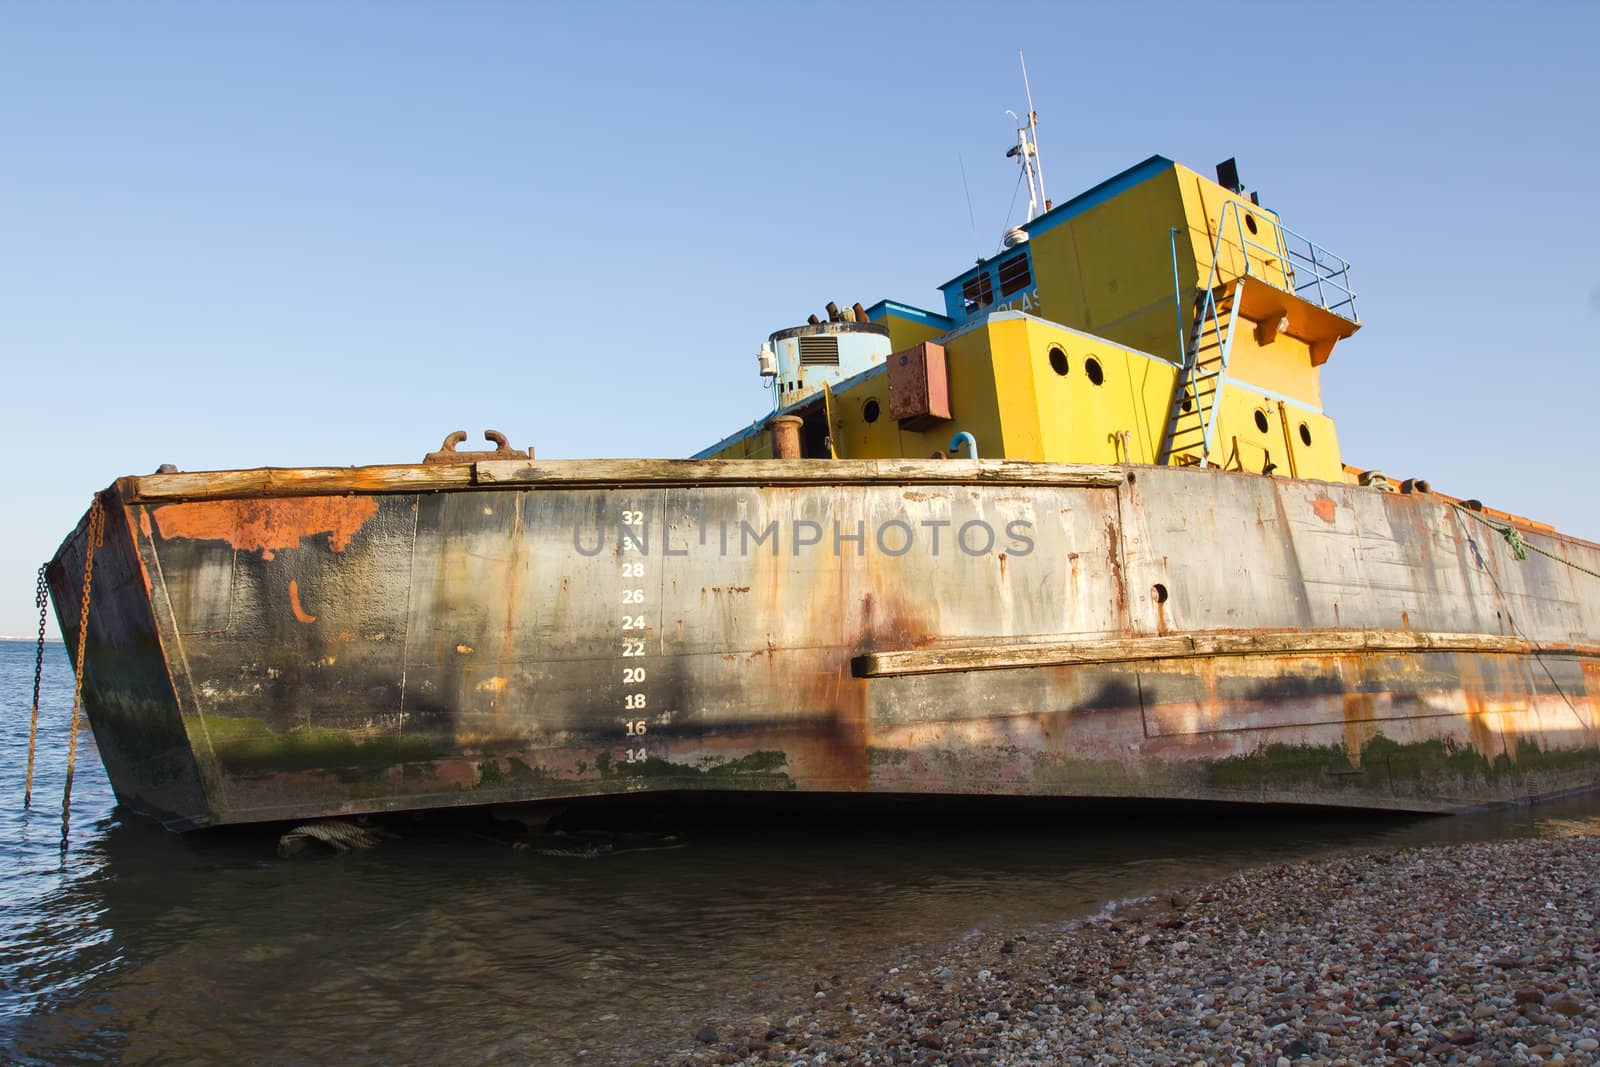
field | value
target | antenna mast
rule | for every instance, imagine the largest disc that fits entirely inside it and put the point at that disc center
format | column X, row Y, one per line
column 1033, row 131
column 1026, row 150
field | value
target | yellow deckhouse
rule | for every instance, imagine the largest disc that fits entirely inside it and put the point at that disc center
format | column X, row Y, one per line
column 1159, row 317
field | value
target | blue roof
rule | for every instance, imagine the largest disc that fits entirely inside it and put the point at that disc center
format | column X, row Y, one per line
column 1085, row 200
column 884, row 308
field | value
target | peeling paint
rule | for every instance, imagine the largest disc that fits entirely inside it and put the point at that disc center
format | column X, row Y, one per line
column 267, row 525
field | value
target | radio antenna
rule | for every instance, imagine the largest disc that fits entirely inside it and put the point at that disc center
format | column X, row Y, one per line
column 971, row 218
column 1033, row 129
column 1026, row 150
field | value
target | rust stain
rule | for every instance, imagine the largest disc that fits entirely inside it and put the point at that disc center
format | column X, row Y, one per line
column 834, row 750
column 1591, row 689
column 845, row 744
column 511, row 581
column 1210, row 707
column 1359, row 725
column 1483, row 736
column 888, row 625
column 1322, row 506
column 294, row 604
column 267, row 525
column 1118, row 579
column 1474, row 690
column 144, row 523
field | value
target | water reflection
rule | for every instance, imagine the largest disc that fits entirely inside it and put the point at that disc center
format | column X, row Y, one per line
column 446, row 943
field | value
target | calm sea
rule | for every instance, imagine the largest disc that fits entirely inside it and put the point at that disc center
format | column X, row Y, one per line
column 131, row 944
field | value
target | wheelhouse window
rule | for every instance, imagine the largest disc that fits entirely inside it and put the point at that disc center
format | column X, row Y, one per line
column 977, row 292
column 1016, row 274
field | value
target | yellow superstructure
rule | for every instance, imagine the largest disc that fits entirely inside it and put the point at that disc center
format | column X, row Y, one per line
column 1159, row 317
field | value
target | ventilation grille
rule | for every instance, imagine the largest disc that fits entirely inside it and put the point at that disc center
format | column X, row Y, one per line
column 819, row 351
column 1015, row 275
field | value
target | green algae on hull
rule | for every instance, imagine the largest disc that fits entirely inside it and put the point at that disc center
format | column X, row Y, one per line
column 762, row 765
column 249, row 746
column 1389, row 766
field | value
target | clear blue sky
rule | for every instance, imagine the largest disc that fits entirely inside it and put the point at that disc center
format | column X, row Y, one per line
column 237, row 235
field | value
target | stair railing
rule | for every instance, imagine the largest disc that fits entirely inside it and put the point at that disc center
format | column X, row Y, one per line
column 1307, row 269
column 1208, row 317
column 1303, row 267
column 1233, row 219
column 1317, row 274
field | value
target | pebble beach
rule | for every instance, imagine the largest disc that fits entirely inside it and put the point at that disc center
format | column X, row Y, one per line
column 1473, row 954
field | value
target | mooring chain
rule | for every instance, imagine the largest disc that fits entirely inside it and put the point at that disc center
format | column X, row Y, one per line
column 41, row 600
column 96, row 528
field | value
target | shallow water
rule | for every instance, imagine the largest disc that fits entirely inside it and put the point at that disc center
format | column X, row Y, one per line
column 142, row 946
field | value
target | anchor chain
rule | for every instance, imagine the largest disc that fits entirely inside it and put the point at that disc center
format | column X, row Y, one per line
column 97, row 521
column 41, row 600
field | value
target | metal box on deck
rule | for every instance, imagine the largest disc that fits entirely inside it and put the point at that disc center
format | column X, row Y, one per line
column 919, row 395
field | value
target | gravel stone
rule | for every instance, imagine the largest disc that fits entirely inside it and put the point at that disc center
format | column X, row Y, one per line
column 1482, row 953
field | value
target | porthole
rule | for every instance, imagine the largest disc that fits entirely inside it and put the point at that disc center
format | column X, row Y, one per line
column 1091, row 367
column 1159, row 592
column 1249, row 222
column 1187, row 404
column 1261, row 420
column 1305, row 433
column 1058, row 360
column 870, row 410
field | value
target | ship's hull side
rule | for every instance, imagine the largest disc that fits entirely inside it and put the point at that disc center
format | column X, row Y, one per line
column 127, row 687
column 525, row 634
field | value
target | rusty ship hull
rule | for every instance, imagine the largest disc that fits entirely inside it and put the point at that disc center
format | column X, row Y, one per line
column 282, row 644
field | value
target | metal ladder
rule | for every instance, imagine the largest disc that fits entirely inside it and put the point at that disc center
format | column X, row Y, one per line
column 1197, row 392
column 1282, row 260
column 1192, row 419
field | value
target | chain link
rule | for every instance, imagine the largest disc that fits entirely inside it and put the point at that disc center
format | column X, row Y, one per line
column 97, row 520
column 41, row 600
